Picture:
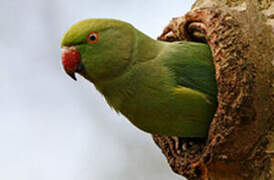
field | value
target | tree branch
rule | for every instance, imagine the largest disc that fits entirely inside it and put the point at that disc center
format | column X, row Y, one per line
column 240, row 34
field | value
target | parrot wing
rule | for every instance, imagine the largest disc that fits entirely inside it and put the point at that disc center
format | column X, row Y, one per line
column 193, row 68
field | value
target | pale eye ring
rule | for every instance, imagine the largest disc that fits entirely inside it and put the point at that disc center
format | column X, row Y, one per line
column 93, row 37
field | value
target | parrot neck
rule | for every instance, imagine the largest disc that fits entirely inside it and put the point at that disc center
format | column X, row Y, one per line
column 145, row 48
column 118, row 89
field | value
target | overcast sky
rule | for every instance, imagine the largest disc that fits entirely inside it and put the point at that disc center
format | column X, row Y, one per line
column 53, row 128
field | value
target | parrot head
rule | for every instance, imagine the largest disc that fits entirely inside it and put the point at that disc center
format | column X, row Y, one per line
column 97, row 49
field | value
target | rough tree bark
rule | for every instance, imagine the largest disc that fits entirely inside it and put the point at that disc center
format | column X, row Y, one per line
column 240, row 143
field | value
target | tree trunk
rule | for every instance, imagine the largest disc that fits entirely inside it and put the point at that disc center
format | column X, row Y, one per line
column 240, row 143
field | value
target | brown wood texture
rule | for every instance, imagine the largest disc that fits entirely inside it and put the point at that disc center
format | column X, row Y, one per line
column 240, row 140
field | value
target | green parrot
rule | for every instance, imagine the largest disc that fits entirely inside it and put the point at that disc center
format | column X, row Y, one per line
column 164, row 88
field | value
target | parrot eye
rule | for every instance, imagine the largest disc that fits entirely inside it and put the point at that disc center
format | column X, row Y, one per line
column 93, row 37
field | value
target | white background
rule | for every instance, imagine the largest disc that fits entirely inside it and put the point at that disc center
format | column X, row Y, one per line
column 53, row 128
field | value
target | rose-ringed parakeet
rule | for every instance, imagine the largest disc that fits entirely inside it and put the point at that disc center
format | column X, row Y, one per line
column 161, row 87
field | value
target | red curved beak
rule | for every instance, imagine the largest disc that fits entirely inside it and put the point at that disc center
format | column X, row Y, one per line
column 71, row 59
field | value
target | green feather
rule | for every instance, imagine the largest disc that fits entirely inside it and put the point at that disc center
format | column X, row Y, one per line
column 192, row 64
column 162, row 88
